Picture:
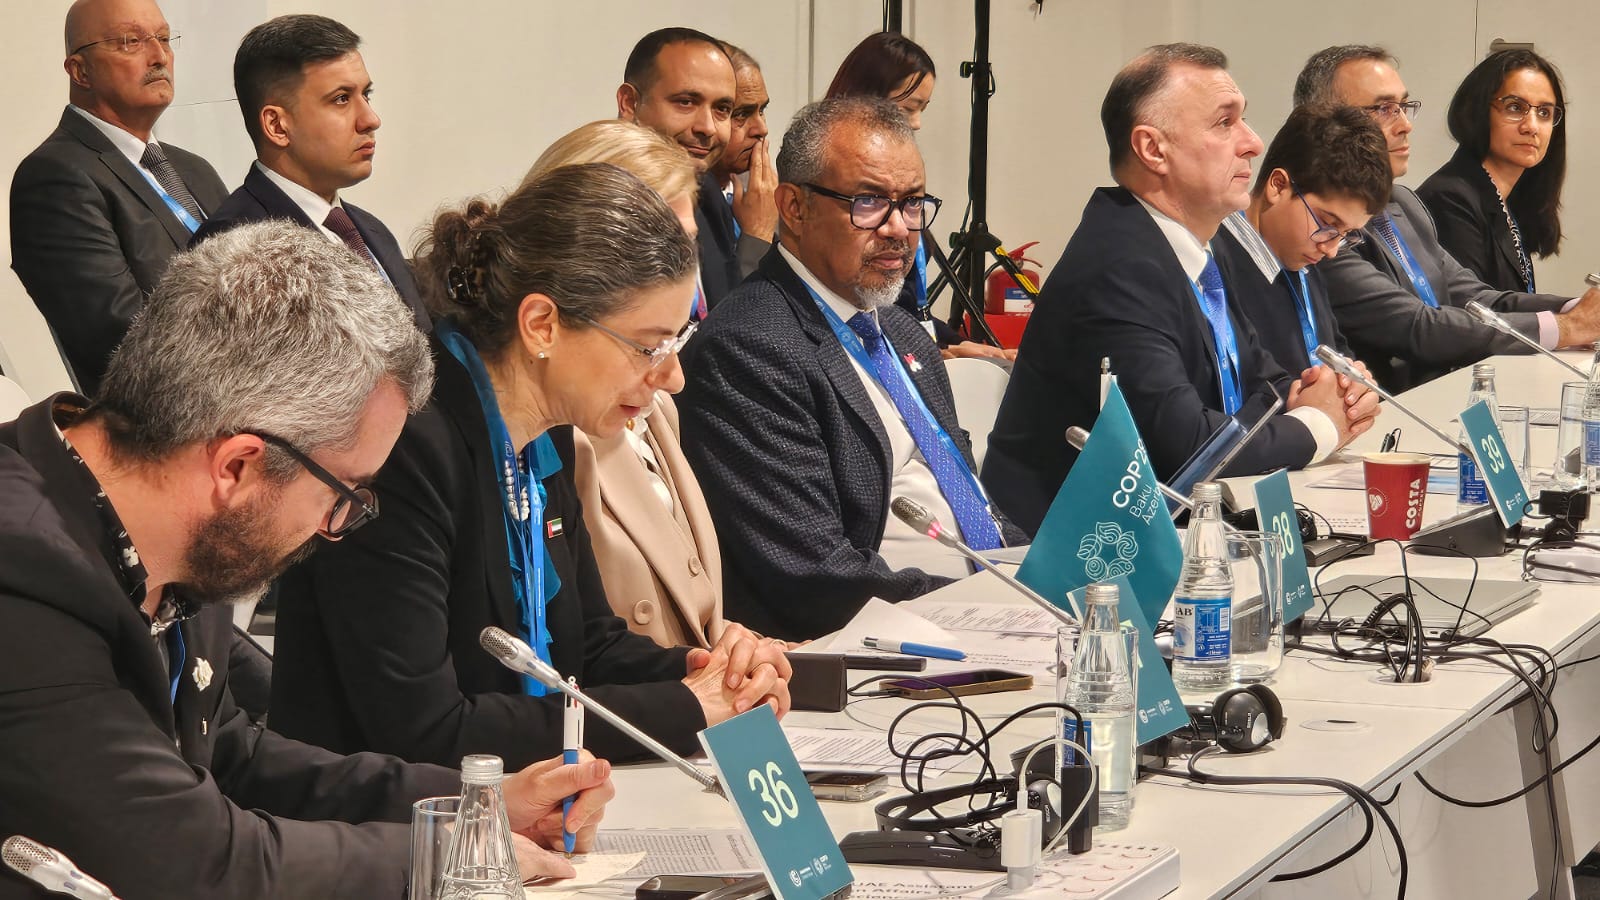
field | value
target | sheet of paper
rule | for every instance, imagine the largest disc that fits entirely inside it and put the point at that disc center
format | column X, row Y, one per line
column 592, row 869
column 1441, row 478
column 715, row 851
column 985, row 617
column 1007, row 555
column 853, row 751
column 881, row 619
column 905, row 883
column 1026, row 653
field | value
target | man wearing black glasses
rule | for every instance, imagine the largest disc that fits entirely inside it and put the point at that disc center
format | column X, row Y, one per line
column 263, row 385
column 1400, row 298
column 813, row 401
column 99, row 207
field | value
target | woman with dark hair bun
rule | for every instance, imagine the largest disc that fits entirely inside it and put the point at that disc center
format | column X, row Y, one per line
column 1497, row 202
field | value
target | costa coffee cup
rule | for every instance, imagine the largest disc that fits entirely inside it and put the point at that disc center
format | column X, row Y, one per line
column 1397, row 485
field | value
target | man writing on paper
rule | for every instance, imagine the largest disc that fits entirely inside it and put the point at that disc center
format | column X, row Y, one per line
column 1138, row 284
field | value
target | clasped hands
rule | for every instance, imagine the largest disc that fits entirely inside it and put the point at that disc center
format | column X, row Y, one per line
column 742, row 670
column 1348, row 404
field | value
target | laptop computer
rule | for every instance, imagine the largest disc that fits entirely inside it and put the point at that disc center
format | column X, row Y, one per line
column 1449, row 607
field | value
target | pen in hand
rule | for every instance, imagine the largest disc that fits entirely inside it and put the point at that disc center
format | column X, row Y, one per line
column 571, row 748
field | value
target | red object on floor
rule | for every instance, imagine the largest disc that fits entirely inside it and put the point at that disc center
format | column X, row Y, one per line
column 1007, row 327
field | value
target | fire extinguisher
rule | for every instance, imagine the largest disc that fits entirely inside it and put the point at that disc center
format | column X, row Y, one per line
column 1001, row 292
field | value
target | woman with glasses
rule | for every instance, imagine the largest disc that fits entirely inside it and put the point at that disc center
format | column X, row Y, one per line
column 1497, row 202
column 891, row 65
column 562, row 307
column 653, row 537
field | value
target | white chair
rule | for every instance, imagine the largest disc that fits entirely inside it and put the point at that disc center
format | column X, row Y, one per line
column 978, row 385
column 13, row 399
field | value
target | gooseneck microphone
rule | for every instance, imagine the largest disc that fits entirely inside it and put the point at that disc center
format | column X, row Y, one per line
column 1077, row 436
column 1343, row 366
column 1493, row 319
column 50, row 869
column 517, row 656
column 918, row 517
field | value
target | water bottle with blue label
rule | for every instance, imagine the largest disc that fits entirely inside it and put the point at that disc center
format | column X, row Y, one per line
column 1202, row 606
column 1472, row 491
column 1591, row 427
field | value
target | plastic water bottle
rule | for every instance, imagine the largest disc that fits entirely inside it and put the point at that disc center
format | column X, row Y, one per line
column 1100, row 687
column 481, row 863
column 1591, row 427
column 1202, row 606
column 1472, row 492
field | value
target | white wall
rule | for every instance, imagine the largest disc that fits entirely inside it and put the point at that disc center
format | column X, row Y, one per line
column 470, row 93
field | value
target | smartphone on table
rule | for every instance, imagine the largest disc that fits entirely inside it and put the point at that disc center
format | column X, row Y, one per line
column 961, row 684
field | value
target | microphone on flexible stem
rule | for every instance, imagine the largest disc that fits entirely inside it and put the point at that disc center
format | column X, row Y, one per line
column 517, row 656
column 1077, row 436
column 50, row 869
column 918, row 517
column 1492, row 319
column 1343, row 366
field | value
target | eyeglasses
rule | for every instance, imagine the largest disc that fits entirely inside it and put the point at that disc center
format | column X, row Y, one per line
column 1388, row 111
column 1514, row 109
column 1326, row 233
column 870, row 211
column 653, row 356
column 132, row 43
column 353, row 507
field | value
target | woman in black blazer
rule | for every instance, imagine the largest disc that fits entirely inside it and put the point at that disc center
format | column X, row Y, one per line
column 1497, row 202
column 565, row 306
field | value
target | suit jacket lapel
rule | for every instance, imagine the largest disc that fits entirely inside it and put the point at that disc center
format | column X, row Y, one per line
column 272, row 199
column 128, row 174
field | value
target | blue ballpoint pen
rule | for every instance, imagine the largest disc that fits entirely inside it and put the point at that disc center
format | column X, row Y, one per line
column 571, row 746
column 911, row 649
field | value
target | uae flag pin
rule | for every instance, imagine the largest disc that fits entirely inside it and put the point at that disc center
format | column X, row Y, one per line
column 553, row 527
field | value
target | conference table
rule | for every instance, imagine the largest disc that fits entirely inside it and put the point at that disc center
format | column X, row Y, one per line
column 1346, row 720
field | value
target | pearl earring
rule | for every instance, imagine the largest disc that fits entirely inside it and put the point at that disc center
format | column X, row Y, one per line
column 542, row 355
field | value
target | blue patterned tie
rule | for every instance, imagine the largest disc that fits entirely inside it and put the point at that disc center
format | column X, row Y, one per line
column 1384, row 226
column 978, row 528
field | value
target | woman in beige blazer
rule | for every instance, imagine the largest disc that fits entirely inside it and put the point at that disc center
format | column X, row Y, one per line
column 652, row 534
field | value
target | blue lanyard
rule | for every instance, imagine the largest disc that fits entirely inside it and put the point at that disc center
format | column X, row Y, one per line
column 858, row 351
column 1413, row 270
column 1308, row 318
column 522, row 496
column 188, row 221
column 1227, row 350
column 920, row 273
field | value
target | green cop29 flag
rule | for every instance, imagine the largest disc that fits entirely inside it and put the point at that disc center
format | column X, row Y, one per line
column 1108, row 519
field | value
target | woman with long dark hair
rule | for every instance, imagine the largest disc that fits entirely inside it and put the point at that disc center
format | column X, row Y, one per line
column 1497, row 202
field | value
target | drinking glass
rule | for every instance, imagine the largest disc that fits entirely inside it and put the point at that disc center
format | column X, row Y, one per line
column 1255, row 646
column 1514, row 428
column 432, row 821
column 1569, row 437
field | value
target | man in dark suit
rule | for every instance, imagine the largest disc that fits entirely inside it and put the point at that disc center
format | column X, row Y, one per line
column 813, row 401
column 126, row 527
column 1400, row 298
column 1325, row 174
column 304, row 92
column 1137, row 284
column 680, row 82
column 744, row 173
column 99, row 207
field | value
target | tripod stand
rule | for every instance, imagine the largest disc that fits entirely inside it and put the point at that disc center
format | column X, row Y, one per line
column 971, row 247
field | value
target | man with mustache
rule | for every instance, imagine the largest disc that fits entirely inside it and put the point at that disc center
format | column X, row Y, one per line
column 260, row 389
column 813, row 401
column 99, row 207
column 1138, row 284
column 679, row 82
column 306, row 98
column 750, row 197
column 1400, row 297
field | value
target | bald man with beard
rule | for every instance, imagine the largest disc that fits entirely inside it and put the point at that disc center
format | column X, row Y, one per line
column 100, row 207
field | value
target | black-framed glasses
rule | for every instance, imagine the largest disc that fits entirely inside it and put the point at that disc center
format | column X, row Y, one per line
column 132, row 43
column 869, row 211
column 352, row 508
column 1514, row 110
column 1326, row 233
column 652, row 356
column 1387, row 111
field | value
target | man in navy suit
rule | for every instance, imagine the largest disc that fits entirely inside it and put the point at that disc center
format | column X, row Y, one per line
column 812, row 401
column 1138, row 284
column 99, row 208
column 305, row 95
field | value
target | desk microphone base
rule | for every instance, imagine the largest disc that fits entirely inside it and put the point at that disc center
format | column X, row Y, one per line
column 1477, row 533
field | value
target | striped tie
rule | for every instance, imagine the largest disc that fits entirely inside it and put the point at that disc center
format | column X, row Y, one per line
column 340, row 223
column 167, row 177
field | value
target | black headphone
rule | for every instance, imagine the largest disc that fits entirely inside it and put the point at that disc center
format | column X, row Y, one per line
column 903, row 813
column 1239, row 720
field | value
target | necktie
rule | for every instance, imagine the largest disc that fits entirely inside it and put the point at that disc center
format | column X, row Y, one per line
column 1214, row 303
column 978, row 528
column 1384, row 226
column 167, row 177
column 338, row 222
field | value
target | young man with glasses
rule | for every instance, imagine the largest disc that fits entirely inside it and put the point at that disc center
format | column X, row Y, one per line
column 1400, row 297
column 1325, row 174
column 812, row 401
column 264, row 384
column 99, row 208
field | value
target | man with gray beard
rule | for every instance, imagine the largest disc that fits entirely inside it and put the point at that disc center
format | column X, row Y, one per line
column 812, row 401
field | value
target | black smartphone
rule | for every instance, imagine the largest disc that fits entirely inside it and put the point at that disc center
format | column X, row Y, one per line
column 683, row 887
column 961, row 684
column 848, row 786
